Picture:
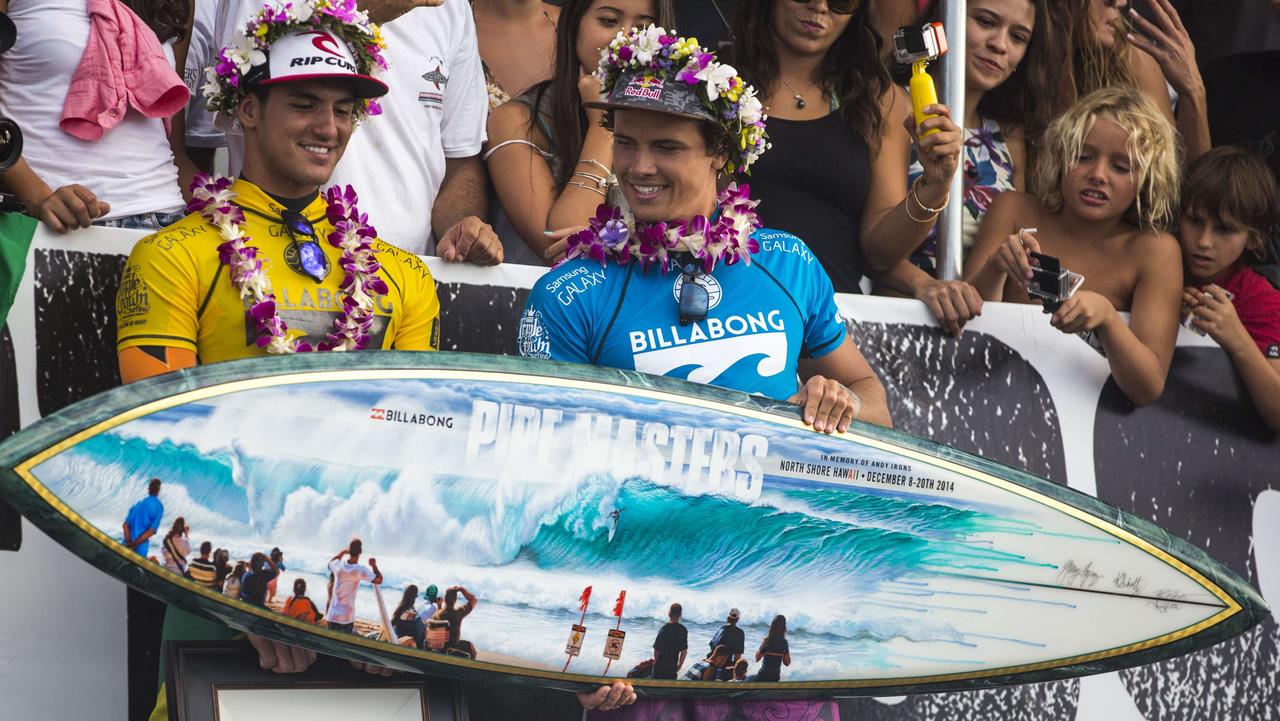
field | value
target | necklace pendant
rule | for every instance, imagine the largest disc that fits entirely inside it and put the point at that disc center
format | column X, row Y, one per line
column 800, row 102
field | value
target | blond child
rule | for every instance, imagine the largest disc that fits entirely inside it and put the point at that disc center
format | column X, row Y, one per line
column 1108, row 180
column 1228, row 207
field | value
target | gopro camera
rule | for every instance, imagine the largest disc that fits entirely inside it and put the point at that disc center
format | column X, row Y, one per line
column 912, row 44
column 1050, row 283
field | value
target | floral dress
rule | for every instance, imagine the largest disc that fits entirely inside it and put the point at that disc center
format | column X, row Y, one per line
column 988, row 172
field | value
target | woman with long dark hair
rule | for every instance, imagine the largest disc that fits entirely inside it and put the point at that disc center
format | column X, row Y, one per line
column 1011, row 94
column 549, row 157
column 177, row 547
column 405, row 619
column 774, row 653
column 837, row 172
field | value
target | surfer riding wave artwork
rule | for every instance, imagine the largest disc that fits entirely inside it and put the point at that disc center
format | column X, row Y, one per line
column 531, row 523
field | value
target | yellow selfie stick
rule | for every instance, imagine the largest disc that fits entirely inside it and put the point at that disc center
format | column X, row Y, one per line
column 923, row 94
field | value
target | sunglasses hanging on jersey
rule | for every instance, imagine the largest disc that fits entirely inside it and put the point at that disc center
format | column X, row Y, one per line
column 310, row 259
column 694, row 298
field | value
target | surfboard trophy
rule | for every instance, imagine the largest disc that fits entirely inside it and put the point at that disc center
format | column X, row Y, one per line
column 900, row 566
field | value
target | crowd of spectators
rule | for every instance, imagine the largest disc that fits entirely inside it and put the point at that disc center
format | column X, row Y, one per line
column 485, row 151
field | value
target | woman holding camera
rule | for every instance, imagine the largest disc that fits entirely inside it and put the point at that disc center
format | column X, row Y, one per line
column 1010, row 85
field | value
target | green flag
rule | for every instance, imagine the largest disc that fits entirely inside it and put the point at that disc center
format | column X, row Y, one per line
column 16, row 231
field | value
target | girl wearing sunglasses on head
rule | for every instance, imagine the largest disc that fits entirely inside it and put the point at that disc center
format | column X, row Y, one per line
column 841, row 134
column 1114, row 44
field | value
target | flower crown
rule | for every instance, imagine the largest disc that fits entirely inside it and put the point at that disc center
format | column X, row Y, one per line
column 668, row 56
column 223, row 88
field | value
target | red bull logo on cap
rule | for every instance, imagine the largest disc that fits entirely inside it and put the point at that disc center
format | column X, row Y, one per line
column 645, row 86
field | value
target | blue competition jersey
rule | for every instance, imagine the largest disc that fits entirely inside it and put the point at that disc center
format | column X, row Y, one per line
column 763, row 318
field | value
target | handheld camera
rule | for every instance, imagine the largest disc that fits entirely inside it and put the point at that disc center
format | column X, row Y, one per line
column 1050, row 283
column 916, row 46
column 10, row 134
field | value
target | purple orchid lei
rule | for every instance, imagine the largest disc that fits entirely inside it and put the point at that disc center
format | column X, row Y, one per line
column 726, row 239
column 212, row 197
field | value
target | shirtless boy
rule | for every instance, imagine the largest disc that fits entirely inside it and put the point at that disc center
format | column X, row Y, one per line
column 1109, row 174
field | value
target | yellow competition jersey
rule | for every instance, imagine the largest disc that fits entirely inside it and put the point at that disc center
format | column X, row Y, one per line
column 175, row 292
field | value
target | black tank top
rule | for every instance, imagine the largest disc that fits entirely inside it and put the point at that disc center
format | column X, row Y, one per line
column 812, row 183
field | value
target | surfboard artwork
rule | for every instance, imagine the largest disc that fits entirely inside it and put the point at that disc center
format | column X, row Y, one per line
column 558, row 512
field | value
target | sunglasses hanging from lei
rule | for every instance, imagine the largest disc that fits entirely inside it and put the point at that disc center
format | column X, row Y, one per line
column 361, row 287
column 726, row 239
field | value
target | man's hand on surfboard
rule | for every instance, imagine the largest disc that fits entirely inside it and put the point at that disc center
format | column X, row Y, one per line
column 281, row 658
column 607, row 698
column 828, row 404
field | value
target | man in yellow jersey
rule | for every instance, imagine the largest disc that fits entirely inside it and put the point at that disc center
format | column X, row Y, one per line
column 258, row 268
column 269, row 263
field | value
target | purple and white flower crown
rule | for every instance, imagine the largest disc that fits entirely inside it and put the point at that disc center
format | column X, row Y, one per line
column 668, row 56
column 223, row 88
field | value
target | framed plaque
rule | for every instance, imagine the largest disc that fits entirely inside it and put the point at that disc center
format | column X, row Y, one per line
column 221, row 681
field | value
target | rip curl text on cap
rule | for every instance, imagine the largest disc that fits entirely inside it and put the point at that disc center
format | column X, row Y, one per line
column 315, row 54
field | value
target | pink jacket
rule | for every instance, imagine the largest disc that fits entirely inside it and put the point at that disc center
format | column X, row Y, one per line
column 123, row 65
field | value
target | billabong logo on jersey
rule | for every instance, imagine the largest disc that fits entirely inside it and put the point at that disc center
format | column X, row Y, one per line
column 704, row 350
column 533, row 340
column 714, row 291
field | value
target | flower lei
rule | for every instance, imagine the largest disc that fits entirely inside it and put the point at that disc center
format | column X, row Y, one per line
column 212, row 196
column 726, row 239
column 728, row 96
column 248, row 48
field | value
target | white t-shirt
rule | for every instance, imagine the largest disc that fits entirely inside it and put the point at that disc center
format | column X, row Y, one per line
column 346, row 581
column 131, row 167
column 437, row 108
column 207, row 32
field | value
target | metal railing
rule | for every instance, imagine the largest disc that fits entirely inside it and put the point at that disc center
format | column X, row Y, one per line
column 950, row 225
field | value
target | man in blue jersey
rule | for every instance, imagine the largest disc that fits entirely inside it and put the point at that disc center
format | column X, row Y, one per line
column 691, row 286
